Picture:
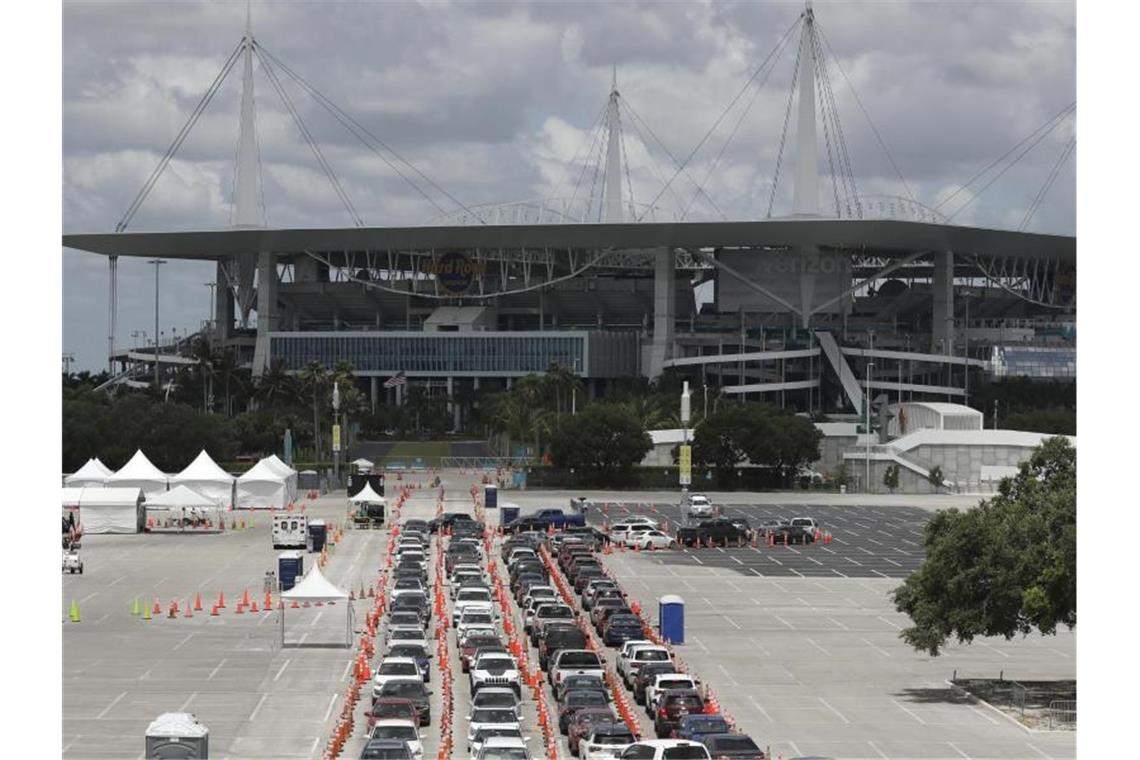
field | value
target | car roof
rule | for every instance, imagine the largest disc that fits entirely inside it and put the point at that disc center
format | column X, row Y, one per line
column 398, row 660
column 496, row 690
column 394, row 722
column 506, row 742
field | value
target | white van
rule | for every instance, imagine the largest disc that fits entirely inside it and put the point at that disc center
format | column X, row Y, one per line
column 290, row 530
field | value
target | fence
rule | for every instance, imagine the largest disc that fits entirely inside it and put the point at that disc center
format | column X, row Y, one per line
column 1062, row 713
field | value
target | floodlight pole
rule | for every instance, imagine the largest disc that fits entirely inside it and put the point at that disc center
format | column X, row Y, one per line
column 157, row 265
column 685, row 410
column 867, row 423
column 336, row 417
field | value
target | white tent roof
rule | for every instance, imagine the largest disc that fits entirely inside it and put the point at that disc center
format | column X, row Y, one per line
column 203, row 468
column 278, row 465
column 94, row 497
column 179, row 497
column 139, row 468
column 366, row 494
column 363, row 463
column 107, row 471
column 314, row 587
column 93, row 470
column 262, row 471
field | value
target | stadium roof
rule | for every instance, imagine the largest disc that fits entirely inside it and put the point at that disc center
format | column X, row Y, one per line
column 884, row 237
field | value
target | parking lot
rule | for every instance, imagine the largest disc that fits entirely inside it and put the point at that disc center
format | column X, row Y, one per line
column 868, row 541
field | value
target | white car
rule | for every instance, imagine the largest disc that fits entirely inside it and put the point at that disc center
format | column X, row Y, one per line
column 406, row 634
column 394, row 667
column 654, row 539
column 502, row 748
column 404, row 730
column 666, row 681
column 626, row 649
column 471, row 597
column 633, row 533
column 809, row 525
column 657, row 749
column 497, row 696
column 489, row 716
column 474, row 617
column 605, row 742
column 700, row 506
column 641, row 655
column 494, row 669
column 575, row 662
column 639, row 520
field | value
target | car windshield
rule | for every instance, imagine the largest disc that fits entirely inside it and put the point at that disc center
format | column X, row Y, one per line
column 708, row 725
column 495, row 699
column 475, row 642
column 476, row 618
column 393, row 710
column 555, row 611
column 688, row 752
column 505, row 753
column 486, row 732
column 612, row 739
column 578, row 682
column 688, row 702
column 406, row 651
column 591, row 697
column 403, row 689
column 652, row 655
column 579, row 660
column 621, row 621
column 734, row 744
column 398, row 634
column 474, row 595
column 386, row 753
column 493, row 715
column 406, row 733
column 398, row 669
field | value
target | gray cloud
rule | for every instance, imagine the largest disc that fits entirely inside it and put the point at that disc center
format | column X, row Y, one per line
column 492, row 99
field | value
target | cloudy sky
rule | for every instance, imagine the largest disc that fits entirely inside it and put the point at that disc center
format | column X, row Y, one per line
column 493, row 101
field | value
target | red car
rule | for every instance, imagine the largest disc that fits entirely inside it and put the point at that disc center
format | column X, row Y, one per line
column 392, row 708
column 471, row 645
column 585, row 721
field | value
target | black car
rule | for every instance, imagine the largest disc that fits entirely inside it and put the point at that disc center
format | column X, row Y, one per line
column 558, row 636
column 735, row 746
column 675, row 703
column 386, row 749
column 448, row 520
column 720, row 531
column 574, row 700
column 621, row 628
column 414, row 691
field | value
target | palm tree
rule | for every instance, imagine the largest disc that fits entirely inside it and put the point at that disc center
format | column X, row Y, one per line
column 564, row 381
column 315, row 382
column 277, row 389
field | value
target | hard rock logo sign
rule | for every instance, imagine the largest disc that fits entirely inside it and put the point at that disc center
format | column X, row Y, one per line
column 455, row 271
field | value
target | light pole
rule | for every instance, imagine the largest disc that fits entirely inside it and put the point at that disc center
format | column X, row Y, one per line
column 706, row 414
column 684, row 476
column 210, row 313
column 867, row 423
column 336, row 442
column 67, row 360
column 157, row 265
column 966, row 346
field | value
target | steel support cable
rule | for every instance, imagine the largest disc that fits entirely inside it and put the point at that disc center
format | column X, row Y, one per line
column 720, row 118
column 736, row 127
column 1052, row 120
column 823, row 110
column 784, row 132
column 343, row 115
column 996, row 279
column 159, row 168
column 866, row 115
column 1006, row 168
column 668, row 185
column 574, row 160
column 604, row 165
column 654, row 165
column 587, row 163
column 1044, row 190
column 324, row 164
column 597, row 167
column 625, row 160
column 847, row 170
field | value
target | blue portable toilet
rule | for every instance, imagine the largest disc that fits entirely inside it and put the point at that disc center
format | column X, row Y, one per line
column 671, row 614
column 318, row 535
column 490, row 497
column 290, row 567
column 508, row 513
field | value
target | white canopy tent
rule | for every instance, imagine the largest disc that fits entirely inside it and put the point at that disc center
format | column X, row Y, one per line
column 189, row 506
column 363, row 464
column 204, row 476
column 107, row 510
column 93, row 474
column 367, row 496
column 315, row 587
column 285, row 470
column 139, row 473
column 262, row 487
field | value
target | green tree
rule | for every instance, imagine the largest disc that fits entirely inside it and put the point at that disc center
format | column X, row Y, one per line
column 891, row 477
column 605, row 439
column 935, row 477
column 779, row 439
column 314, row 383
column 1006, row 567
column 717, row 442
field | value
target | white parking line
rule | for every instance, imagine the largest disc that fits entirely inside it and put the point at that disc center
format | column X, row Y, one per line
column 159, row 583
column 882, row 754
column 347, row 666
column 795, row 749
column 853, row 562
column 829, row 707
column 257, row 708
column 1039, row 752
column 328, row 712
column 734, row 623
column 279, row 672
column 213, row 672
column 180, row 643
column 89, row 596
column 839, row 624
column 316, row 618
column 701, row 644
column 186, row 704
column 316, row 741
column 908, row 711
column 761, row 709
column 728, row 675
column 107, row 709
column 112, row 583
column 891, row 623
column 960, row 752
column 984, row 714
column 67, row 746
column 880, row 650
column 785, row 622
column 817, row 646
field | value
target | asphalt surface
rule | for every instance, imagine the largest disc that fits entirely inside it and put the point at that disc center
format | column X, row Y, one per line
column 867, row 541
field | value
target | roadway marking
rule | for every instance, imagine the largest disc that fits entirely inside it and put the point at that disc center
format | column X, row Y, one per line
column 761, row 647
column 888, row 559
column 213, row 672
column 778, row 562
column 865, row 551
column 257, row 708
column 180, row 643
column 112, row 583
column 984, row 714
column 735, row 624
column 736, row 560
column 701, row 644
column 147, row 673
column 829, row 707
column 882, row 754
column 762, row 710
column 107, row 709
column 279, row 672
column 817, row 646
column 187, row 702
column 880, row 650
column 853, row 562
column 89, row 596
column 328, row 711
column 347, row 666
column 960, row 752
column 101, row 619
column 908, row 711
column 839, row 624
column 795, row 749
column 159, row 583
column 316, row 740
column 1039, row 752
column 728, row 675
column 67, row 746
column 992, row 649
column 785, row 622
column 315, row 619
column 891, row 623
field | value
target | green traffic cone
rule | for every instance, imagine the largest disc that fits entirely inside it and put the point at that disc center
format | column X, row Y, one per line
column 135, row 608
column 146, row 612
column 74, row 611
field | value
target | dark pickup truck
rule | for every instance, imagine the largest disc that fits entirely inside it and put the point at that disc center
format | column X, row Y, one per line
column 544, row 518
column 721, row 531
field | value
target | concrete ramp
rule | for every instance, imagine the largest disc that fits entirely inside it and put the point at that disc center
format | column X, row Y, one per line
column 838, row 363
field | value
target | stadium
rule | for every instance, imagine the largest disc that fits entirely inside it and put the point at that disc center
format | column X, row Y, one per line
column 824, row 310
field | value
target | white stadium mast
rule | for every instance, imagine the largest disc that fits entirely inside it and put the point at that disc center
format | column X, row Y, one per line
column 805, row 196
column 613, row 157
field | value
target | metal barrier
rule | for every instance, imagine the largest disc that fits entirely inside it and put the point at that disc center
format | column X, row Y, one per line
column 1062, row 712
column 1017, row 695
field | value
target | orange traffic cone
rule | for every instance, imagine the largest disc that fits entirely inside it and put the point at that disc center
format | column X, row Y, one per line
column 253, row 608
column 268, row 602
column 189, row 611
column 197, row 602
column 157, row 608
column 221, row 600
column 214, row 611
column 245, row 597
column 239, row 609
column 294, row 605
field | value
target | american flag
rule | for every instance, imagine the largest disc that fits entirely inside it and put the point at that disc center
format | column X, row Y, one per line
column 397, row 379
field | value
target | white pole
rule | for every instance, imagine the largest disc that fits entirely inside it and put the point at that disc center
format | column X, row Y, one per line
column 806, row 192
column 867, row 422
column 613, row 159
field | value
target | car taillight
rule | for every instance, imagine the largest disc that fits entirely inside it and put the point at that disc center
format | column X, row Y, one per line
column 662, row 712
